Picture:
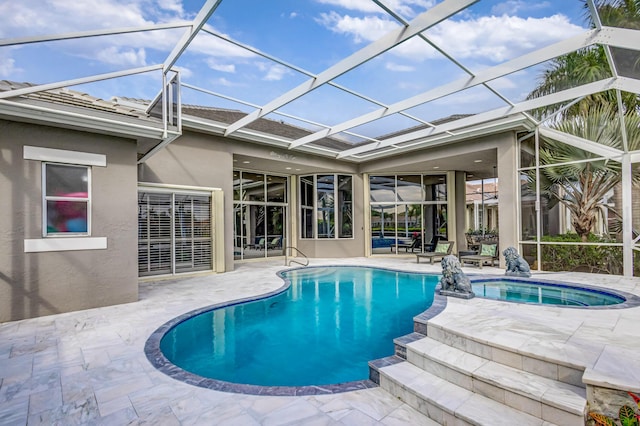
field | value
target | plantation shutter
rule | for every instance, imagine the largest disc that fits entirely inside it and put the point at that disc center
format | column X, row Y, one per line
column 174, row 233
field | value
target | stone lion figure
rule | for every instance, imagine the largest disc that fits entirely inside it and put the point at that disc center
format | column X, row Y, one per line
column 454, row 282
column 516, row 265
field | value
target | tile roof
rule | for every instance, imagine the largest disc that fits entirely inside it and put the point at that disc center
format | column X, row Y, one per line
column 272, row 127
column 74, row 98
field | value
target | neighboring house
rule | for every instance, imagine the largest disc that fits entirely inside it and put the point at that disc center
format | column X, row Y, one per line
column 97, row 194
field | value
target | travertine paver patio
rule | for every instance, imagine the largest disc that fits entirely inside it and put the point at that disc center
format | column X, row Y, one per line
column 89, row 367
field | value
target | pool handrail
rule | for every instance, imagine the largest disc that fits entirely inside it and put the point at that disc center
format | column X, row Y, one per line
column 288, row 262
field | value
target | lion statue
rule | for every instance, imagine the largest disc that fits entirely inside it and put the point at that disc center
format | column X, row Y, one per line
column 516, row 265
column 454, row 282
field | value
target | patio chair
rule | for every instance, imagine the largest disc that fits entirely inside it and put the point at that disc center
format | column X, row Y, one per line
column 258, row 246
column 488, row 252
column 443, row 248
column 431, row 245
column 416, row 243
column 274, row 244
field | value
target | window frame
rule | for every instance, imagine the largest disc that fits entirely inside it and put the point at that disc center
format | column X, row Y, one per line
column 337, row 217
column 46, row 198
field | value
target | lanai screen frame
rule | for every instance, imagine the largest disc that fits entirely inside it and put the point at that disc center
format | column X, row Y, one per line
column 429, row 135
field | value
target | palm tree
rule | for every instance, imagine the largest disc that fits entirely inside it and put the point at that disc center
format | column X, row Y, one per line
column 591, row 64
column 582, row 185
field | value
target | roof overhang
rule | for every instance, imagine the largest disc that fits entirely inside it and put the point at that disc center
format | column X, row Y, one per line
column 31, row 111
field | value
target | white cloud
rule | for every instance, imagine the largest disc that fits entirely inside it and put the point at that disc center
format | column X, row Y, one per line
column 29, row 17
column 224, row 82
column 119, row 56
column 172, row 6
column 369, row 28
column 8, row 67
column 391, row 66
column 276, row 73
column 293, row 15
column 184, row 72
column 406, row 8
column 503, row 83
column 217, row 66
column 209, row 45
column 492, row 38
column 500, row 38
column 512, row 7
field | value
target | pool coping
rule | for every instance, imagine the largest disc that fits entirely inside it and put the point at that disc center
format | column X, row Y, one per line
column 161, row 363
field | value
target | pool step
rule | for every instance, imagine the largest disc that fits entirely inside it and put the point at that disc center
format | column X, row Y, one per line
column 554, row 369
column 448, row 403
column 542, row 397
column 434, row 371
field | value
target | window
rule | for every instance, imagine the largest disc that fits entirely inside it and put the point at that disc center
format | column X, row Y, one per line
column 326, row 206
column 407, row 210
column 66, row 201
column 260, row 210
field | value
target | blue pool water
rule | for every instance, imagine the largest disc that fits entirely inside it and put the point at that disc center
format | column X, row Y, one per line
column 543, row 293
column 322, row 330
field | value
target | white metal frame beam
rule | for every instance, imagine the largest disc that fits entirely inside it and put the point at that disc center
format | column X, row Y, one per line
column 581, row 143
column 559, row 97
column 301, row 71
column 509, row 67
column 424, row 21
column 76, row 81
column 198, row 22
column 91, row 33
column 619, row 37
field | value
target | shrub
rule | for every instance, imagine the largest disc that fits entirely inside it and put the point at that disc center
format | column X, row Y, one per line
column 591, row 258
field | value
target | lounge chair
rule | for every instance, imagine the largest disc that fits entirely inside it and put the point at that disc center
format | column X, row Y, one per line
column 416, row 243
column 431, row 245
column 488, row 252
column 443, row 248
column 274, row 244
column 258, row 246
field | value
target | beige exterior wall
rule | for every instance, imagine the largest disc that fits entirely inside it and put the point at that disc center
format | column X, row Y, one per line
column 343, row 247
column 198, row 159
column 43, row 283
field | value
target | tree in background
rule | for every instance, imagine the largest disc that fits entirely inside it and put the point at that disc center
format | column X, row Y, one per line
column 582, row 187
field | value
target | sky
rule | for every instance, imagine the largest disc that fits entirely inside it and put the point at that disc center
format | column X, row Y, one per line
column 311, row 35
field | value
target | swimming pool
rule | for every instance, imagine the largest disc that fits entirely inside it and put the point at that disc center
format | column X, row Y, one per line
column 319, row 331
column 323, row 329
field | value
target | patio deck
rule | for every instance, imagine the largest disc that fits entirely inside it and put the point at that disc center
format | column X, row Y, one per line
column 90, row 367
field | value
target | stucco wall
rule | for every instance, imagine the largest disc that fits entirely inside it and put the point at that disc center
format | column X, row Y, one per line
column 351, row 247
column 37, row 284
column 198, row 159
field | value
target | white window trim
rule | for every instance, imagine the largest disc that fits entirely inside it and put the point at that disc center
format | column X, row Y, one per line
column 73, row 241
column 65, row 244
column 64, row 156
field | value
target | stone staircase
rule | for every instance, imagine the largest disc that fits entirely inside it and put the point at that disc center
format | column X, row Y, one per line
column 457, row 380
